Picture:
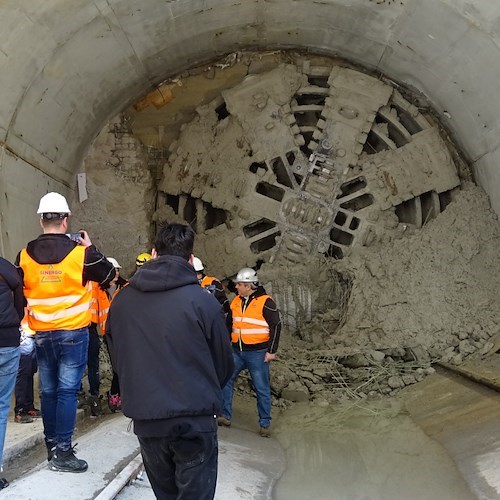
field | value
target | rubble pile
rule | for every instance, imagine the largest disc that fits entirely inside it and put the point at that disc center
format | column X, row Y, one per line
column 429, row 295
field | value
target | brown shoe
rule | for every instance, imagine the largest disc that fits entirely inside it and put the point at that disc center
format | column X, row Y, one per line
column 223, row 422
column 265, row 432
column 34, row 413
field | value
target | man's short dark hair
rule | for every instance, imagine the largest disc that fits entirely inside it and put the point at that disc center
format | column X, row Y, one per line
column 52, row 222
column 175, row 239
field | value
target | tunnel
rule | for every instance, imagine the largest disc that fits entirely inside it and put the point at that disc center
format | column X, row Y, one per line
column 68, row 68
column 347, row 150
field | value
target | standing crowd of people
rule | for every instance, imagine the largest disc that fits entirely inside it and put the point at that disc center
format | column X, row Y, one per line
column 176, row 344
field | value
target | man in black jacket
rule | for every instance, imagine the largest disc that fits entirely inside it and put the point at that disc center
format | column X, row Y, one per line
column 11, row 314
column 170, row 347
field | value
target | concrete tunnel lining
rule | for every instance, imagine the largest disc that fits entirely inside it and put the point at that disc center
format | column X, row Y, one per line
column 67, row 68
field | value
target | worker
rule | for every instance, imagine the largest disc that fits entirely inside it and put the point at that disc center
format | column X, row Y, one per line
column 255, row 326
column 99, row 311
column 56, row 272
column 24, row 409
column 211, row 284
column 12, row 307
column 141, row 259
column 170, row 347
column 113, row 395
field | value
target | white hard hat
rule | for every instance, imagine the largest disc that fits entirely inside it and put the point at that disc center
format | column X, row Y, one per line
column 54, row 203
column 114, row 262
column 197, row 264
column 246, row 275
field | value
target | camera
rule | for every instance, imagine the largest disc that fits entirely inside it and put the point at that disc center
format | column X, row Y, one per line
column 75, row 236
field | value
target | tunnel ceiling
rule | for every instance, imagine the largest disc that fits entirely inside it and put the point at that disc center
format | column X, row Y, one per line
column 68, row 66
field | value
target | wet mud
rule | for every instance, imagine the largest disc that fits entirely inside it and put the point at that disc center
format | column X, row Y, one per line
column 373, row 451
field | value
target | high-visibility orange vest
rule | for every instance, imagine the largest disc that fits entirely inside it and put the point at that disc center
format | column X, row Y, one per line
column 99, row 307
column 110, row 300
column 56, row 297
column 25, row 325
column 249, row 327
column 206, row 281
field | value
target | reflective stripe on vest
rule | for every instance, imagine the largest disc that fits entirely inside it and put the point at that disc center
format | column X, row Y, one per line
column 110, row 301
column 24, row 324
column 99, row 307
column 245, row 324
column 56, row 298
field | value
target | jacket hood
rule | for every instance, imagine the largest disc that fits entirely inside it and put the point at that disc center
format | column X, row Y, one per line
column 50, row 248
column 164, row 273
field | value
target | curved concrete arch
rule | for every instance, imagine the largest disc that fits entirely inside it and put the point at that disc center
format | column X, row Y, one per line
column 67, row 66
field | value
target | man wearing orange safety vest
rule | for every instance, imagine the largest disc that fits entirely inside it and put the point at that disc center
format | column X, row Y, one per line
column 211, row 284
column 255, row 326
column 99, row 308
column 57, row 270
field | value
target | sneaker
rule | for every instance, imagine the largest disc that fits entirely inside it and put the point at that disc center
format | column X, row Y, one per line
column 3, row 483
column 95, row 406
column 114, row 402
column 35, row 413
column 223, row 422
column 23, row 418
column 265, row 432
column 66, row 461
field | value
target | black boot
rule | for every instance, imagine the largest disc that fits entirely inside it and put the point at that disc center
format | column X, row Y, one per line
column 65, row 461
column 51, row 447
column 95, row 406
column 3, row 483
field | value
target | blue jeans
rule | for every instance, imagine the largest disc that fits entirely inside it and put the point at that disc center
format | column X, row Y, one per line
column 259, row 371
column 9, row 363
column 182, row 467
column 62, row 357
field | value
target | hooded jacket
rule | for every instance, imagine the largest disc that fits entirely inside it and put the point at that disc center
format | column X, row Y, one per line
column 53, row 248
column 11, row 304
column 169, row 343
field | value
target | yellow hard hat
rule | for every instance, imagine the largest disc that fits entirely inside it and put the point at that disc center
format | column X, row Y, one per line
column 142, row 258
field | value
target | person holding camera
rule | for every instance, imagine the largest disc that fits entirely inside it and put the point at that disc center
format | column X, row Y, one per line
column 56, row 271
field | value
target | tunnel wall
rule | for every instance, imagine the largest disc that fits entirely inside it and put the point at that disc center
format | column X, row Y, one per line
column 68, row 66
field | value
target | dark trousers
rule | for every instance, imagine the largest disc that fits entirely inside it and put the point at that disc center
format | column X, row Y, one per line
column 93, row 360
column 24, row 382
column 182, row 467
column 115, row 385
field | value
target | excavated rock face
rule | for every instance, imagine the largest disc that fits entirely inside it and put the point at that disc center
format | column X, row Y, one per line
column 333, row 185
